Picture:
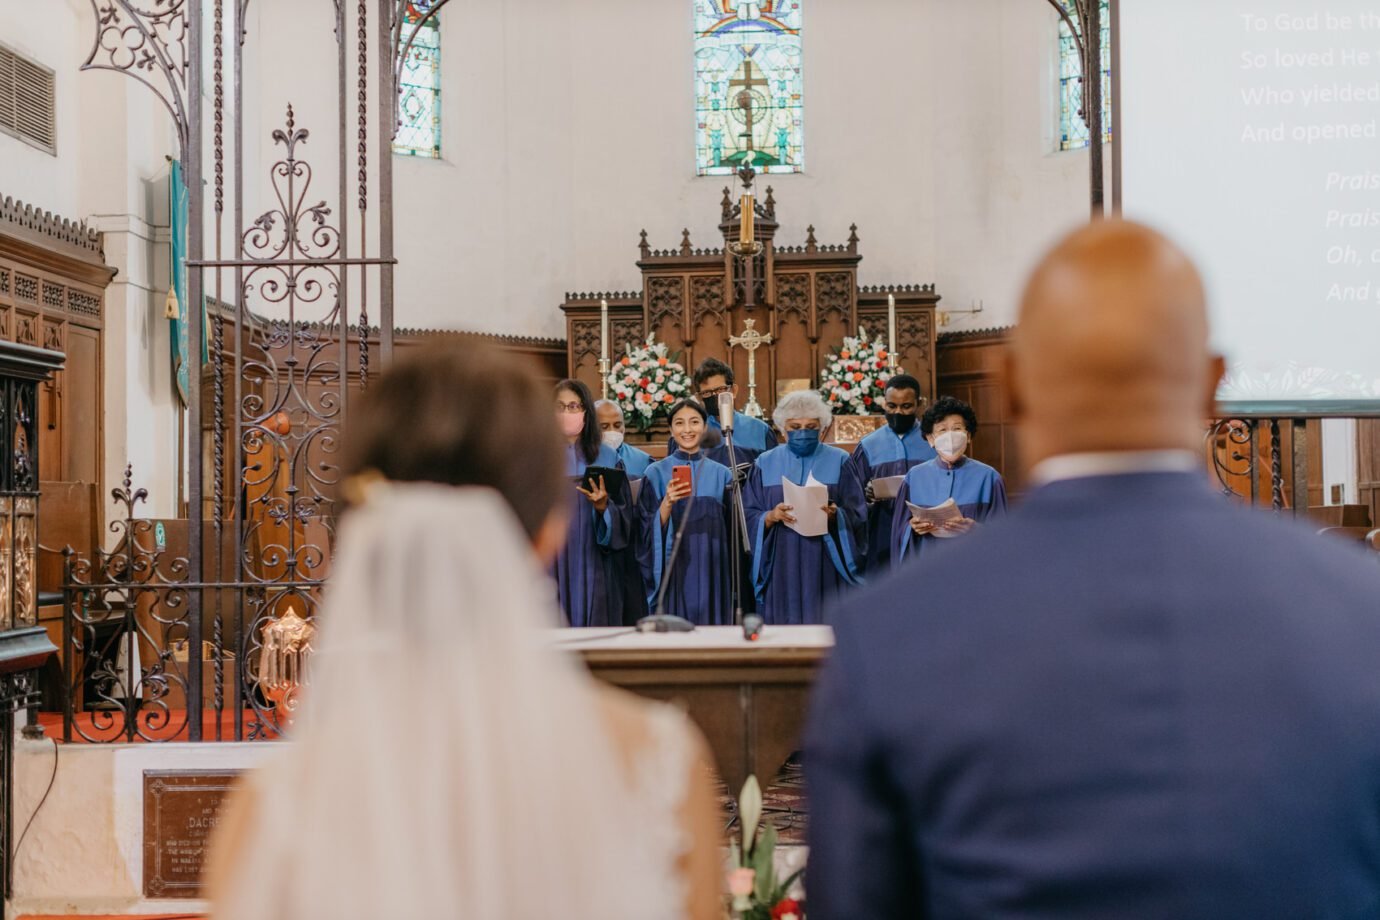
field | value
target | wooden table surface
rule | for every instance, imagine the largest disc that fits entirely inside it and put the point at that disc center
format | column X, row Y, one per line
column 749, row 698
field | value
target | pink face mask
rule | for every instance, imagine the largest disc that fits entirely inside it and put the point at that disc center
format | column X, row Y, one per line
column 572, row 423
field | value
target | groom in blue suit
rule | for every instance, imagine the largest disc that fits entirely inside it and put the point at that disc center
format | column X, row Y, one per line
column 1131, row 698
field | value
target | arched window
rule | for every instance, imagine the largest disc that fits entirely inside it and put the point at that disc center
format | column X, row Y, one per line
column 1073, row 131
column 748, row 101
column 419, row 88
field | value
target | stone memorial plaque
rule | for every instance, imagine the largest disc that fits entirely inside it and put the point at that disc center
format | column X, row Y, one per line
column 181, row 810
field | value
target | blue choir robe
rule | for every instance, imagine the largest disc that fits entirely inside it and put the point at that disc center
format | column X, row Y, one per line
column 751, row 438
column 880, row 455
column 793, row 575
column 635, row 461
column 588, row 579
column 975, row 487
column 700, row 586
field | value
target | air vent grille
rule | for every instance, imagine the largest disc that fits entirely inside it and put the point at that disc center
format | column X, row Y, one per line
column 27, row 100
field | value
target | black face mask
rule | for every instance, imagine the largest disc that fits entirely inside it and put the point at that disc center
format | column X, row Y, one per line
column 901, row 423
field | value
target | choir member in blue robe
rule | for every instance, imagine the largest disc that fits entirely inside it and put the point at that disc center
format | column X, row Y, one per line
column 614, row 432
column 887, row 452
column 751, row 436
column 700, row 579
column 977, row 489
column 794, row 575
column 588, row 580
column 634, row 462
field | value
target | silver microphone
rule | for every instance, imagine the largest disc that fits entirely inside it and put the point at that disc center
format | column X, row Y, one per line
column 726, row 411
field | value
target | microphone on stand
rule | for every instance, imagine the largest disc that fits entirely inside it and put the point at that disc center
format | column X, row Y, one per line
column 660, row 620
column 752, row 627
column 726, row 411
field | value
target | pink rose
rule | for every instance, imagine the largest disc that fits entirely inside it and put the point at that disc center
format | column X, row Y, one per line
column 740, row 882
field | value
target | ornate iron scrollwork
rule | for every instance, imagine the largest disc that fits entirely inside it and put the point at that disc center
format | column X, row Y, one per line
column 149, row 43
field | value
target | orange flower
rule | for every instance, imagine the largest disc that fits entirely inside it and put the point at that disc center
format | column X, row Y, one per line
column 845, row 355
column 857, row 376
column 661, row 361
column 626, row 361
column 668, row 398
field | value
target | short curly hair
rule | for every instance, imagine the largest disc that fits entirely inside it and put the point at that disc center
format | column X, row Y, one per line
column 942, row 408
column 802, row 404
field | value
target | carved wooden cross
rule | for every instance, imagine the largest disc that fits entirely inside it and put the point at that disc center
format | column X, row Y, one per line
column 750, row 341
column 744, row 99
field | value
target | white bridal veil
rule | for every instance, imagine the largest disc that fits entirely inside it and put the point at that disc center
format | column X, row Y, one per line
column 449, row 759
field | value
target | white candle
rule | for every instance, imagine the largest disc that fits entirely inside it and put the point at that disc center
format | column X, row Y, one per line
column 891, row 328
column 603, row 330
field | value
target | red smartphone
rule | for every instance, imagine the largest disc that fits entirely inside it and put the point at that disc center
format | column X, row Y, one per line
column 681, row 474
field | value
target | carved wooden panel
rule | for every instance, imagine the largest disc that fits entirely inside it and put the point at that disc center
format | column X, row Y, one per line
column 26, row 288
column 52, row 335
column 84, row 304
column 26, row 330
column 4, row 281
column 793, row 297
column 665, row 303
column 584, row 342
column 913, row 335
column 622, row 334
column 54, row 296
column 706, row 298
column 834, row 295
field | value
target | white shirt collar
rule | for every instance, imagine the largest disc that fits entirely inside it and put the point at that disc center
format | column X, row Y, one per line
column 1112, row 463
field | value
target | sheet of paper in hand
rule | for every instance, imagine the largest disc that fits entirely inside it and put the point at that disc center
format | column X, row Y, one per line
column 811, row 520
column 887, row 487
column 937, row 516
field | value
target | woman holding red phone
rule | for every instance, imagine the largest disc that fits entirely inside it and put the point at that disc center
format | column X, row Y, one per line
column 687, row 483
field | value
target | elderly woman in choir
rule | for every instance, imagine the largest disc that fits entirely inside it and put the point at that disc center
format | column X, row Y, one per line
column 975, row 490
column 588, row 577
column 795, row 573
column 690, row 490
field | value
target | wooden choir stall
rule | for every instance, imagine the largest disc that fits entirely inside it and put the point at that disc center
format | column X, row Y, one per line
column 802, row 300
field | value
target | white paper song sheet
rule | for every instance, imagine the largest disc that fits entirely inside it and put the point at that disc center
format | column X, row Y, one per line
column 887, row 487
column 937, row 516
column 811, row 520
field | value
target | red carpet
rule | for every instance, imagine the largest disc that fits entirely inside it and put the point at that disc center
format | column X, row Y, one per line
column 174, row 728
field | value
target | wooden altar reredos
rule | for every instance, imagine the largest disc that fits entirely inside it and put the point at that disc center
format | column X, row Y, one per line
column 806, row 297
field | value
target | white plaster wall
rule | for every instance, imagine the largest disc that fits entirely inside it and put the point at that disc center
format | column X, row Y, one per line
column 84, row 850
column 568, row 127
column 111, row 170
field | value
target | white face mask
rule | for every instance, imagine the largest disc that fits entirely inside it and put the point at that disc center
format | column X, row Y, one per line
column 613, row 439
column 951, row 444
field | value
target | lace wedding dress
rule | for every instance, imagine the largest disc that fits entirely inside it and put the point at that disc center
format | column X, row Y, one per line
column 450, row 761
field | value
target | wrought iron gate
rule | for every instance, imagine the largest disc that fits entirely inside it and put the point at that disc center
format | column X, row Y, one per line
column 292, row 290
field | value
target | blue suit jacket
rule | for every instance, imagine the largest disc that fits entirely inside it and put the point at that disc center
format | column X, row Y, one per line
column 1128, row 699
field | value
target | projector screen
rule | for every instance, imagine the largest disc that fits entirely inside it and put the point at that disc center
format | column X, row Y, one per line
column 1249, row 133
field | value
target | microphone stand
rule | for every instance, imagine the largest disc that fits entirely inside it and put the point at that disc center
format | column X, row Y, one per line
column 660, row 620
column 738, row 541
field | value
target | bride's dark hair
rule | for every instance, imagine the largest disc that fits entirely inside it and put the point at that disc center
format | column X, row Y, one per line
column 461, row 414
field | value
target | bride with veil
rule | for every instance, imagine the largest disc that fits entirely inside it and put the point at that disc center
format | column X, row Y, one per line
column 450, row 760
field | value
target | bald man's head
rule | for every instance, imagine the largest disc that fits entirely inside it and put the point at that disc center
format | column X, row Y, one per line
column 1111, row 350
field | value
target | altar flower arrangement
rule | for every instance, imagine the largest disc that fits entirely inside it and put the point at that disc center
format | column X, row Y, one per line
column 854, row 380
column 754, row 891
column 646, row 382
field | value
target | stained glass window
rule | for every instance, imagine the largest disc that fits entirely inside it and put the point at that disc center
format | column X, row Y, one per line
column 419, row 89
column 747, row 86
column 1073, row 130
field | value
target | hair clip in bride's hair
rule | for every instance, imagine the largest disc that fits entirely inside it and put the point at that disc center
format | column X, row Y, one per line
column 359, row 487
